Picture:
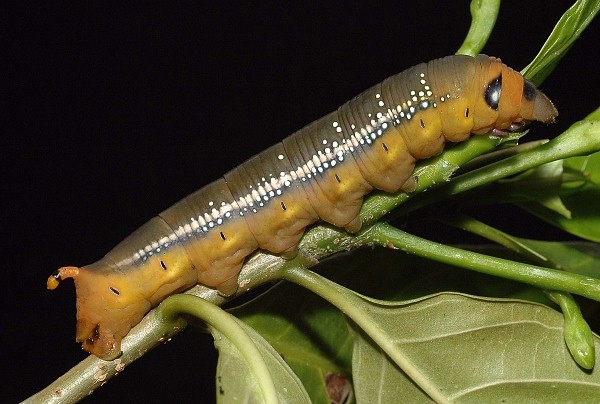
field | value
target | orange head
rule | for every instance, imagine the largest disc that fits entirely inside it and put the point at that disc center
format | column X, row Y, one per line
column 515, row 100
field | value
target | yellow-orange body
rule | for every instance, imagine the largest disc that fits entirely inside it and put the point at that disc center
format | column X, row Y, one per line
column 321, row 172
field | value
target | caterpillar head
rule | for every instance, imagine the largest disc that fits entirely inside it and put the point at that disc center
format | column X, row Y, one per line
column 107, row 307
column 508, row 101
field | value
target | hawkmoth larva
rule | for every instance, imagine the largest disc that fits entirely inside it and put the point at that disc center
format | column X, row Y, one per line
column 320, row 172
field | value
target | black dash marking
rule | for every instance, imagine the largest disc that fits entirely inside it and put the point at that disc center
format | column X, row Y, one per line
column 385, row 147
column 338, row 179
column 114, row 290
column 283, row 206
column 163, row 265
column 222, row 235
column 422, row 123
column 467, row 113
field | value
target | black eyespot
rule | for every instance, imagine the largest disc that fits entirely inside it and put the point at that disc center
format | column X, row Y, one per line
column 114, row 290
column 222, row 235
column 529, row 90
column 163, row 265
column 283, row 206
column 492, row 92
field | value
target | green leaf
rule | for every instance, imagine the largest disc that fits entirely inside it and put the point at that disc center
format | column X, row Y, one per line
column 588, row 166
column 472, row 349
column 237, row 383
column 304, row 328
column 539, row 185
column 565, row 33
column 580, row 194
column 378, row 377
column 578, row 335
column 383, row 322
column 312, row 337
column 249, row 370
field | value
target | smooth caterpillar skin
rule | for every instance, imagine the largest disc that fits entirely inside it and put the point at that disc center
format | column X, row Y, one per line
column 320, row 172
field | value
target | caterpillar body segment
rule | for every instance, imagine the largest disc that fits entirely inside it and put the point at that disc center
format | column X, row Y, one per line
column 321, row 172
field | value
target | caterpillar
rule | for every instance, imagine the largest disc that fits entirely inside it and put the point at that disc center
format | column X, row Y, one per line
column 320, row 172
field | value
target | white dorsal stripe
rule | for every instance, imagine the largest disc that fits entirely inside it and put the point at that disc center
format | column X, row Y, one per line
column 332, row 153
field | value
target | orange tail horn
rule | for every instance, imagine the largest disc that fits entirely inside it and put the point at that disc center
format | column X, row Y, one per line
column 58, row 276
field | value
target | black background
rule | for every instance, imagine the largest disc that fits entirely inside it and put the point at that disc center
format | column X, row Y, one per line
column 112, row 113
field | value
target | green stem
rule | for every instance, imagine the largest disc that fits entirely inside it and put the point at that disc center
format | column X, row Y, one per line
column 481, row 229
column 173, row 307
column 483, row 19
column 386, row 236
